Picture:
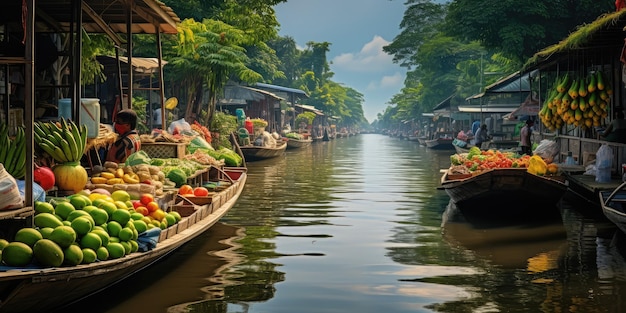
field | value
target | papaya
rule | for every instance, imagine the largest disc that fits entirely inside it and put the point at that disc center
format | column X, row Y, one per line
column 591, row 86
column 563, row 86
column 17, row 254
column 42, row 220
column 48, row 253
column 600, row 80
column 582, row 87
column 573, row 90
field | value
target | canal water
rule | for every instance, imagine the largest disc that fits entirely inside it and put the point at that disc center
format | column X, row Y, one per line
column 357, row 225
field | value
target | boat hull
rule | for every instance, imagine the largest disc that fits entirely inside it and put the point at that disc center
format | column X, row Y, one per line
column 256, row 153
column 298, row 143
column 440, row 144
column 47, row 289
column 505, row 192
column 614, row 206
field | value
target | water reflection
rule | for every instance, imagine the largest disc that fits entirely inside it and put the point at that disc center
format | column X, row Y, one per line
column 357, row 225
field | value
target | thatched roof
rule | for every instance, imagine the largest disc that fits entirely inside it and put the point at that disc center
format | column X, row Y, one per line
column 592, row 42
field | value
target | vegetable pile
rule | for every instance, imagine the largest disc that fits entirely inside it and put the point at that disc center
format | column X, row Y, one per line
column 476, row 161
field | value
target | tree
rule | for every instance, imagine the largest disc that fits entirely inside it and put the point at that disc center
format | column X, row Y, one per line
column 517, row 28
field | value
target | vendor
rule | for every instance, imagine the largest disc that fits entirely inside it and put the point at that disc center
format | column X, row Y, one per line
column 616, row 131
column 128, row 141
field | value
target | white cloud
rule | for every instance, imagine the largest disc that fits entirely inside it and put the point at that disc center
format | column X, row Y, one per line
column 371, row 58
column 395, row 81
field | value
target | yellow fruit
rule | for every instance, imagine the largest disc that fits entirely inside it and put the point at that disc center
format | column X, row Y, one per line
column 70, row 176
column 107, row 175
column 114, row 181
column 99, row 180
column 120, row 195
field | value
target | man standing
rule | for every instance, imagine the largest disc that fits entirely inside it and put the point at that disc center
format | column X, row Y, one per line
column 481, row 136
column 526, row 135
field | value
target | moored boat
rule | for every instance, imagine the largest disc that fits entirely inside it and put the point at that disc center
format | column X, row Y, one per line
column 293, row 143
column 614, row 205
column 441, row 143
column 256, row 153
column 503, row 192
column 40, row 289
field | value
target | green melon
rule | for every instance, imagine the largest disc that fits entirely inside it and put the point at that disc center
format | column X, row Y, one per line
column 48, row 253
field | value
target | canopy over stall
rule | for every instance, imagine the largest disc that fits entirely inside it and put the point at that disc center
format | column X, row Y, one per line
column 30, row 17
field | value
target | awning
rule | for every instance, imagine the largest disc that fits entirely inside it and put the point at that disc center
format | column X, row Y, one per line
column 514, row 83
column 235, row 94
column 283, row 89
column 140, row 65
column 309, row 108
column 98, row 16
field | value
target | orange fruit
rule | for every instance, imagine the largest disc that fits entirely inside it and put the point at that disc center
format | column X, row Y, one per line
column 185, row 190
column 200, row 192
column 152, row 206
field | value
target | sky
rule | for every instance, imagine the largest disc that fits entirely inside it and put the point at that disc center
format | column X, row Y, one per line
column 357, row 31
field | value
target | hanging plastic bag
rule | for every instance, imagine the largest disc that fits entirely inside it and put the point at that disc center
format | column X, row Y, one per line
column 547, row 149
column 10, row 197
column 604, row 163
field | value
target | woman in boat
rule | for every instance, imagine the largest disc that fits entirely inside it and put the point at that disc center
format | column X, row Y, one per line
column 127, row 141
column 616, row 131
column 526, row 137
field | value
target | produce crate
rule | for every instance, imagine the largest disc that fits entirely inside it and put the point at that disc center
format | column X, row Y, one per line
column 164, row 150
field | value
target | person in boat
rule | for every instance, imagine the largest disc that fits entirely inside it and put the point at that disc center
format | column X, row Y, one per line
column 526, row 137
column 481, row 136
column 128, row 141
column 616, row 131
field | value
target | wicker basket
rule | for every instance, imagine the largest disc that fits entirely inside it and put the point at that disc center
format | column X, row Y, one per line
column 164, row 150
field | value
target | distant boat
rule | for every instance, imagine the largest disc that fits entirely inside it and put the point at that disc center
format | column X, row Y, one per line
column 293, row 143
column 255, row 153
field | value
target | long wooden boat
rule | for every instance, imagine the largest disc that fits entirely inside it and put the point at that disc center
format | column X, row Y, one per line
column 503, row 192
column 298, row 143
column 614, row 205
column 45, row 289
column 440, row 143
column 256, row 153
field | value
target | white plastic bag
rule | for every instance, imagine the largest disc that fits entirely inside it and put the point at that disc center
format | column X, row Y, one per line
column 604, row 162
column 10, row 197
column 179, row 126
column 547, row 149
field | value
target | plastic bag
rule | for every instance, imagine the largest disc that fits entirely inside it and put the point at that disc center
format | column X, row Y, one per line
column 547, row 149
column 198, row 143
column 179, row 126
column 10, row 197
column 537, row 166
column 604, row 162
column 38, row 193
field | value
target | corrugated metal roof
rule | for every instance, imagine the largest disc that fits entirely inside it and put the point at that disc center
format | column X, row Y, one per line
column 281, row 88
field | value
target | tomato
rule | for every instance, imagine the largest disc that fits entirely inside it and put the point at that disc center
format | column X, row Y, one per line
column 200, row 192
column 136, row 203
column 185, row 190
column 146, row 198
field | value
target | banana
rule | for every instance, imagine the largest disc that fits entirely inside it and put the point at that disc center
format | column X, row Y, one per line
column 8, row 160
column 107, row 175
column 53, row 150
column 4, row 152
column 83, row 133
column 67, row 151
column 73, row 146
column 119, row 173
column 99, row 180
column 131, row 178
column 114, row 181
column 77, row 138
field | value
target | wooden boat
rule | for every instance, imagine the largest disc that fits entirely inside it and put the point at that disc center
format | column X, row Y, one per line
column 503, row 192
column 298, row 143
column 422, row 140
column 440, row 143
column 255, row 153
column 45, row 289
column 614, row 205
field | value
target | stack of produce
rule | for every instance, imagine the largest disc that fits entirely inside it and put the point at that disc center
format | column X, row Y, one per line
column 134, row 179
column 81, row 229
column 578, row 101
column 13, row 151
column 476, row 161
column 65, row 142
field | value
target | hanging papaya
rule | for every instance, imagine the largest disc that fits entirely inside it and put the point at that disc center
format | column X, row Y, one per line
column 591, row 86
column 564, row 84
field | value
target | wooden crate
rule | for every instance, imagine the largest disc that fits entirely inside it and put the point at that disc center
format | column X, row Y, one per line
column 164, row 149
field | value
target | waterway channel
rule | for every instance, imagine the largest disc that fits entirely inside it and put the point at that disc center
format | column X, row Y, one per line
column 357, row 225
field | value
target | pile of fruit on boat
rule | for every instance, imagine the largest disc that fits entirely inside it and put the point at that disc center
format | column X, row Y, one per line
column 476, row 161
column 87, row 227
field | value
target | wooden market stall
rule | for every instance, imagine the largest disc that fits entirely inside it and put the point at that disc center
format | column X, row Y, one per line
column 595, row 48
column 41, row 43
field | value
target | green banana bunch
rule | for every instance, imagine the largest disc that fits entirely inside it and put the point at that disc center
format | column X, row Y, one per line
column 13, row 153
column 64, row 142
